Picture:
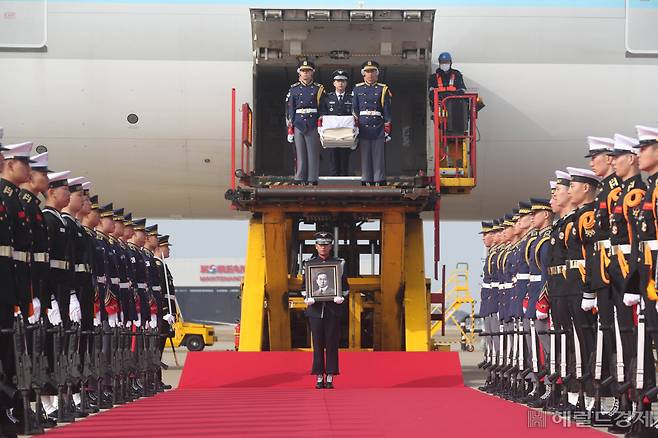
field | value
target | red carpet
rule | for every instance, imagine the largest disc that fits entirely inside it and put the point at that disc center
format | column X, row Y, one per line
column 270, row 395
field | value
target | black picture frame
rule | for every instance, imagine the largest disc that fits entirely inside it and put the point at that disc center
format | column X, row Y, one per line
column 318, row 273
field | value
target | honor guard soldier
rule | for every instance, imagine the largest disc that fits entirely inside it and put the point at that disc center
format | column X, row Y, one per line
column 16, row 171
column 303, row 104
column 162, row 253
column 153, row 274
column 339, row 103
column 107, row 304
column 166, row 319
column 579, row 240
column 371, row 105
column 324, row 316
column 140, row 285
column 645, row 383
column 121, row 250
column 623, row 269
column 40, row 266
column 598, row 295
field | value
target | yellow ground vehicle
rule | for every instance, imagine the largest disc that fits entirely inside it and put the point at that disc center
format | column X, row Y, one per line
column 192, row 335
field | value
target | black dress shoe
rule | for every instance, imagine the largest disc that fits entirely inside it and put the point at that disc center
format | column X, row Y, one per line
column 165, row 386
column 329, row 385
column 319, row 385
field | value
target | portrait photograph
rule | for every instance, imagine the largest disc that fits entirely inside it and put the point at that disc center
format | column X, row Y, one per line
column 322, row 281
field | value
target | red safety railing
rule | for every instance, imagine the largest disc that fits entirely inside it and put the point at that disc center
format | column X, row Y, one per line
column 247, row 136
column 233, row 109
column 246, row 142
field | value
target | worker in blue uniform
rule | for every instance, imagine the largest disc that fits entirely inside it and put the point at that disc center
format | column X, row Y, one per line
column 449, row 81
column 303, row 104
column 339, row 103
column 371, row 105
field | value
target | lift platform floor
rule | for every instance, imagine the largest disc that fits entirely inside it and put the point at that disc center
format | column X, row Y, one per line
column 271, row 395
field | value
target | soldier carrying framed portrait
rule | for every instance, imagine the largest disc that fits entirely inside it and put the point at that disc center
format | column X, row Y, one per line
column 323, row 280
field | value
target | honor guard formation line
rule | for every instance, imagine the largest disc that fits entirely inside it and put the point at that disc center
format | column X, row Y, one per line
column 86, row 306
column 569, row 291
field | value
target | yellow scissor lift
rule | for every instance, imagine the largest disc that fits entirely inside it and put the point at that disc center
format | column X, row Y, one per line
column 456, row 294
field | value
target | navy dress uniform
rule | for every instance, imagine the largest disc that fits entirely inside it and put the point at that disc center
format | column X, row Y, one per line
column 371, row 105
column 339, row 104
column 324, row 318
column 303, row 104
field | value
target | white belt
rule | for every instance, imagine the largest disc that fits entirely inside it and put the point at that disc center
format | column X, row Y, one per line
column 575, row 264
column 602, row 244
column 170, row 296
column 495, row 284
column 652, row 244
column 624, row 249
column 82, row 267
column 523, row 276
column 306, row 110
column 124, row 285
column 508, row 285
column 486, row 286
column 101, row 279
column 535, row 278
column 5, row 251
column 114, row 280
column 141, row 285
column 157, row 288
column 59, row 264
column 20, row 256
column 370, row 113
column 41, row 257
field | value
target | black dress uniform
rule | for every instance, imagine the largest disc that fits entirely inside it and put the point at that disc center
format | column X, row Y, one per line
column 338, row 105
column 324, row 319
column 22, row 242
column 40, row 265
column 61, row 278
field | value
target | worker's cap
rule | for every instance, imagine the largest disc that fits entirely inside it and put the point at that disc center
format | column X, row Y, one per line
column 647, row 135
column 445, row 57
column 94, row 202
column 106, row 211
column 58, row 179
column 324, row 238
column 583, row 176
column 305, row 64
column 624, row 145
column 164, row 240
column 20, row 151
column 40, row 162
column 552, row 185
column 128, row 219
column 487, row 227
column 75, row 184
column 369, row 65
column 117, row 214
column 151, row 230
column 562, row 178
column 539, row 204
column 599, row 145
column 340, row 75
column 139, row 224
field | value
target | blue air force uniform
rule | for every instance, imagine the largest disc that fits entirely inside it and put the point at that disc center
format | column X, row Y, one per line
column 371, row 105
column 303, row 104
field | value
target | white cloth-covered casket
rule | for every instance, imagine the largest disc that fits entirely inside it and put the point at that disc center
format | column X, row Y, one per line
column 338, row 132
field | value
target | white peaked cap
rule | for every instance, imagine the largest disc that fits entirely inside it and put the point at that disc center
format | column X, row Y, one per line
column 599, row 144
column 40, row 161
column 58, row 176
column 645, row 134
column 583, row 175
column 552, row 184
column 625, row 144
column 20, row 150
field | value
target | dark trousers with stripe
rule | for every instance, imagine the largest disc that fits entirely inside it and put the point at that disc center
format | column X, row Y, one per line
column 325, row 333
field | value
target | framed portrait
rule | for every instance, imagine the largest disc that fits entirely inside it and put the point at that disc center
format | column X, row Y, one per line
column 323, row 281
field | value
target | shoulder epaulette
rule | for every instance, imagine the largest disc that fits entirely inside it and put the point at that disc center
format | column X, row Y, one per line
column 294, row 85
column 359, row 84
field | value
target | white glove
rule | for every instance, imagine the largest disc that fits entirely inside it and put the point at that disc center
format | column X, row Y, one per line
column 138, row 323
column 309, row 301
column 113, row 320
column 17, row 312
column 53, row 313
column 169, row 318
column 541, row 315
column 338, row 300
column 74, row 309
column 588, row 304
column 631, row 299
column 129, row 324
column 97, row 319
column 154, row 321
column 36, row 306
column 33, row 319
column 291, row 138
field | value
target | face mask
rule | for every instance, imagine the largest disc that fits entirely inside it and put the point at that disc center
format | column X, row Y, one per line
column 444, row 67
